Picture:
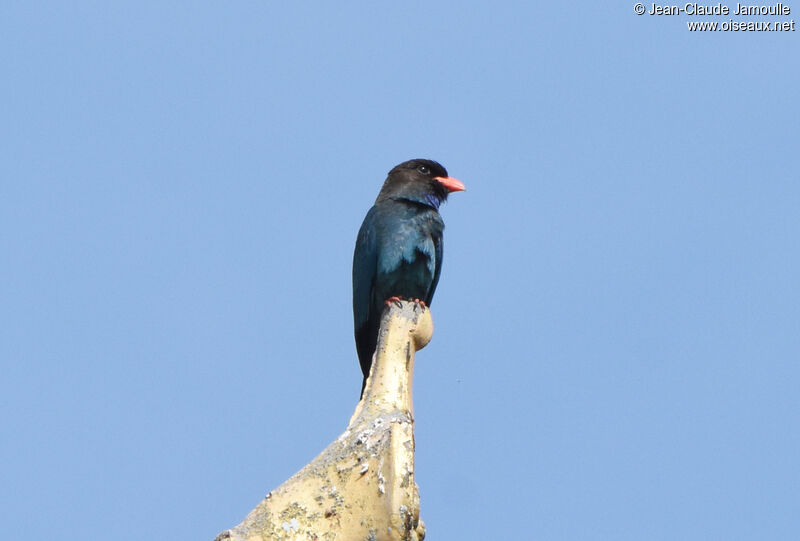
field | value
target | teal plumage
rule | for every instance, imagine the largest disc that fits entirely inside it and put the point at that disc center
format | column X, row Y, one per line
column 399, row 250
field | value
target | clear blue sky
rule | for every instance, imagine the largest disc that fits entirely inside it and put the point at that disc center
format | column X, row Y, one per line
column 618, row 318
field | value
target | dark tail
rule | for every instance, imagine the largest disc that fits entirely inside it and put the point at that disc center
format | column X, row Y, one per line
column 366, row 341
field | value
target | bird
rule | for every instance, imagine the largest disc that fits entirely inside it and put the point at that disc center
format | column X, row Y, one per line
column 398, row 252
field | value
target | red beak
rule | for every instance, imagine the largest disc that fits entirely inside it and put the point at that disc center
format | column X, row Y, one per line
column 452, row 184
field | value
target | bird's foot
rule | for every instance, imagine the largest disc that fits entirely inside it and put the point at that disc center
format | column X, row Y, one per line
column 419, row 302
column 393, row 300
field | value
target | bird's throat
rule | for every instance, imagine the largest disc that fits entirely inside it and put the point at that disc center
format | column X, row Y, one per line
column 433, row 200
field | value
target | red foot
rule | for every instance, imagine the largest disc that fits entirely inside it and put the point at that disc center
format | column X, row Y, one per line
column 395, row 300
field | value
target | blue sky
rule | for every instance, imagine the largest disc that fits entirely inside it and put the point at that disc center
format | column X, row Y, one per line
column 618, row 318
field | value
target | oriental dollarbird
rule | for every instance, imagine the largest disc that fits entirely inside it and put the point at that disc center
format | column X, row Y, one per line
column 398, row 251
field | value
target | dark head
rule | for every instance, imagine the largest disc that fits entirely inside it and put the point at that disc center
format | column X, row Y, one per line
column 421, row 181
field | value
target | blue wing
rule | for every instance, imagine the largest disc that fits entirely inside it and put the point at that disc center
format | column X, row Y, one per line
column 365, row 264
column 438, row 243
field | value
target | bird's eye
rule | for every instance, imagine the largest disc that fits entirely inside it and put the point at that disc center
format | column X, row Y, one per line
column 423, row 169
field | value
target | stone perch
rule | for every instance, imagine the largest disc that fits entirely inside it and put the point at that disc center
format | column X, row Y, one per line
column 361, row 487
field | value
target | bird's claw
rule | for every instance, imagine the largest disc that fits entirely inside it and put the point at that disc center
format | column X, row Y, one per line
column 398, row 300
column 394, row 300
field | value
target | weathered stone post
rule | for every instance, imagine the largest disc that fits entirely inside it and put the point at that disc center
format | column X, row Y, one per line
column 361, row 487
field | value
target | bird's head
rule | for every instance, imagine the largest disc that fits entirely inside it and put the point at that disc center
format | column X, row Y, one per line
column 421, row 181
